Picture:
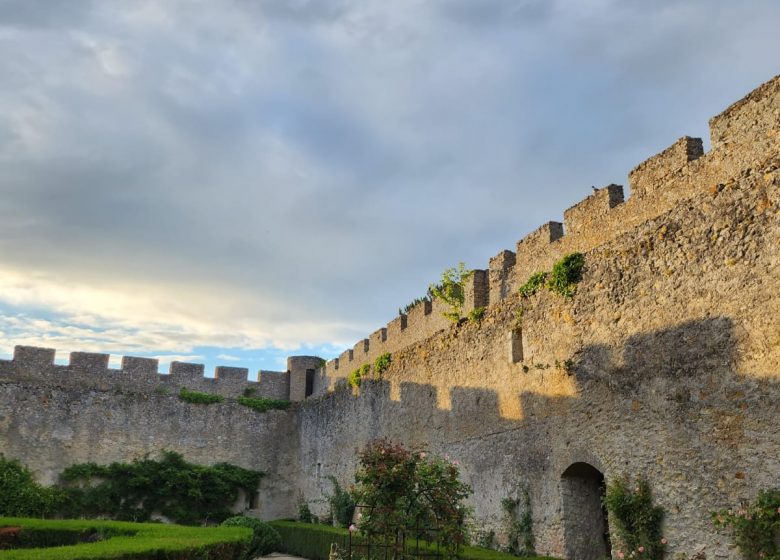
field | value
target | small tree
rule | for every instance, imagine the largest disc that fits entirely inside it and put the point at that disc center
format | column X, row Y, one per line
column 452, row 290
column 405, row 491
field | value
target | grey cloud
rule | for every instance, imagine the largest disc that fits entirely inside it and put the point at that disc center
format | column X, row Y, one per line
column 333, row 180
column 491, row 13
column 43, row 14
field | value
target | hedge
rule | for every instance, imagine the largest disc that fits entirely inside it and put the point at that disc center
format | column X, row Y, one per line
column 118, row 540
column 313, row 542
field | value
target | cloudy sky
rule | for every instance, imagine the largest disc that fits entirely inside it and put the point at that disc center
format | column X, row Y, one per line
column 233, row 181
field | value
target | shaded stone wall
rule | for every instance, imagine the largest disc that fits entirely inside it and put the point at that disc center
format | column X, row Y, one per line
column 49, row 427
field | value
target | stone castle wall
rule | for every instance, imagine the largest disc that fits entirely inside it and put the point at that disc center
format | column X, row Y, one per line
column 665, row 364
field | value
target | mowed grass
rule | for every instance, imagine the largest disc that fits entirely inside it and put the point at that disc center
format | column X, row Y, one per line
column 123, row 540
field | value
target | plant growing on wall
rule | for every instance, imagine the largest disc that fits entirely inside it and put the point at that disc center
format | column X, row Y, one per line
column 197, row 397
column 261, row 404
column 404, row 490
column 414, row 303
column 755, row 527
column 451, row 290
column 477, row 314
column 532, row 285
column 342, row 504
column 357, row 375
column 184, row 492
column 562, row 280
column 519, row 525
column 565, row 275
column 382, row 363
column 635, row 523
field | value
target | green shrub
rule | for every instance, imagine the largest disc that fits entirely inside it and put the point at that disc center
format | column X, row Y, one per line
column 633, row 519
column 260, row 404
column 181, row 491
column 477, row 314
column 382, row 363
column 124, row 541
column 265, row 539
column 196, row 397
column 342, row 504
column 566, row 273
column 452, row 290
column 313, row 542
column 533, row 284
column 414, row 303
column 356, row 377
column 304, row 513
column 20, row 495
column 755, row 527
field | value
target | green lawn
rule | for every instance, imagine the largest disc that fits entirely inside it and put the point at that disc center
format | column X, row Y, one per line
column 123, row 540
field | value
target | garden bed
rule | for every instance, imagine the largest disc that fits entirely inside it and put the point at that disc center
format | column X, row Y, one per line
column 40, row 539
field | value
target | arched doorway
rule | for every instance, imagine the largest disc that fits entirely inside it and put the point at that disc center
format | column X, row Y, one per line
column 586, row 534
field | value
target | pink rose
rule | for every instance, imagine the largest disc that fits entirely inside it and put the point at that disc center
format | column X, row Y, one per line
column 352, row 528
column 778, row 510
column 620, row 554
column 641, row 549
column 664, row 541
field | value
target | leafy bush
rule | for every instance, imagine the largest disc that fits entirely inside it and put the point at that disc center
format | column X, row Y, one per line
column 404, row 489
column 342, row 504
column 452, row 290
column 382, row 363
column 196, row 397
column 181, row 491
column 634, row 520
column 412, row 304
column 304, row 513
column 755, row 527
column 20, row 495
column 357, row 375
column 313, row 541
column 124, row 541
column 565, row 274
column 260, row 404
column 476, row 314
column 265, row 539
column 533, row 284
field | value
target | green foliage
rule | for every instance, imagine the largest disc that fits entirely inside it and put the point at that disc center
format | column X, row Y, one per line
column 404, row 489
column 533, row 284
column 477, row 314
column 181, row 491
column 162, row 391
column 342, row 504
column 565, row 275
column 20, row 495
column 451, row 290
column 563, row 279
column 634, row 521
column 414, row 303
column 304, row 513
column 313, row 542
column 382, row 363
column 356, row 377
column 196, row 397
column 261, row 404
column 519, row 525
column 265, row 539
column 755, row 526
column 249, row 392
column 124, row 541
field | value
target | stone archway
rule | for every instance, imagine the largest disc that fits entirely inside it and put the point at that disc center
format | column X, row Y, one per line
column 585, row 528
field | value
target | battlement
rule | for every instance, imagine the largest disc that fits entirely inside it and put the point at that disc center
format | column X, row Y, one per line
column 90, row 370
column 745, row 134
